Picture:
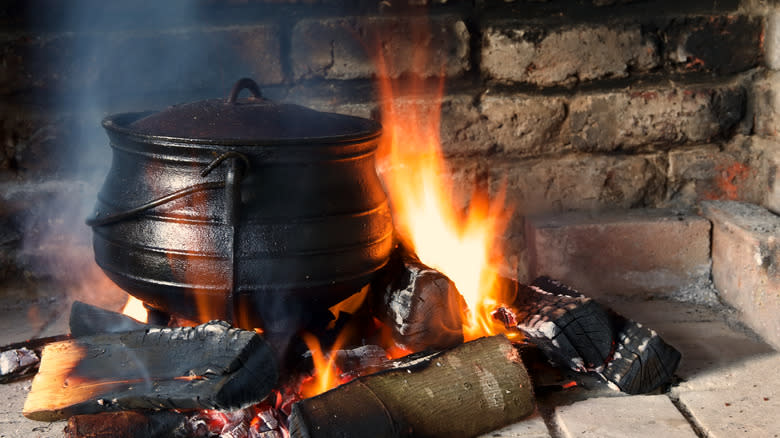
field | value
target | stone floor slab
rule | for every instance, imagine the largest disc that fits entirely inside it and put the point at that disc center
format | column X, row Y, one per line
column 752, row 411
column 705, row 336
column 649, row 416
column 531, row 427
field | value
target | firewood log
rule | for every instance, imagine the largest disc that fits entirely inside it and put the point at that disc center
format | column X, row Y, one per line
column 86, row 319
column 571, row 329
column 463, row 392
column 642, row 361
column 575, row 331
column 126, row 424
column 21, row 359
column 211, row 366
column 421, row 305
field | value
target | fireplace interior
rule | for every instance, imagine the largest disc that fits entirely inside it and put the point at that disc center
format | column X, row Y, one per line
column 624, row 152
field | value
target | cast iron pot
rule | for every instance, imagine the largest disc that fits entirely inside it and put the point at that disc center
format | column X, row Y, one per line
column 242, row 209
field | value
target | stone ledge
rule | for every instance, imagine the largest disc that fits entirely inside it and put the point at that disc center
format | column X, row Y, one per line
column 746, row 262
column 624, row 252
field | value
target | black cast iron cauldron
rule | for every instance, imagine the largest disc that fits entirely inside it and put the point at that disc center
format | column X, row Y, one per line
column 242, row 209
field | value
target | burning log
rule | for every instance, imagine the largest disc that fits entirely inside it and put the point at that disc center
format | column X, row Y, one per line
column 211, row 366
column 127, row 424
column 574, row 330
column 569, row 328
column 421, row 305
column 436, row 395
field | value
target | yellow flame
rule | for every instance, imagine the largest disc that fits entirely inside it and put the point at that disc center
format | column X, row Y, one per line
column 458, row 243
column 134, row 308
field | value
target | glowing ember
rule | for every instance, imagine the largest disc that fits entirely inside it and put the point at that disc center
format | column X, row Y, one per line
column 412, row 166
column 134, row 308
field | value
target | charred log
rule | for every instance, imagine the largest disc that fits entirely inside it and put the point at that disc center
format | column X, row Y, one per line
column 569, row 328
column 21, row 359
column 127, row 424
column 574, row 330
column 434, row 395
column 421, row 305
column 642, row 361
column 211, row 366
column 86, row 319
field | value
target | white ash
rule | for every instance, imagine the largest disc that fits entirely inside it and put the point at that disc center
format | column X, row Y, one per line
column 13, row 360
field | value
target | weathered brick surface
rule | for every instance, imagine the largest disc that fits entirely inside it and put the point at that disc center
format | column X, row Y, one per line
column 740, row 170
column 523, row 124
column 772, row 40
column 581, row 182
column 718, row 44
column 765, row 104
column 342, row 48
column 122, row 62
column 620, row 252
column 769, row 152
column 518, row 53
column 746, row 262
column 628, row 119
column 637, row 416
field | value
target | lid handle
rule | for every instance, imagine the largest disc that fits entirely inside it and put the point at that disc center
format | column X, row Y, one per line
column 244, row 83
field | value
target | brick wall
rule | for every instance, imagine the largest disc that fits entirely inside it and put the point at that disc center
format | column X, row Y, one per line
column 569, row 105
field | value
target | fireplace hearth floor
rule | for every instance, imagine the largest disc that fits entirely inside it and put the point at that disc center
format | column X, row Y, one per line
column 729, row 381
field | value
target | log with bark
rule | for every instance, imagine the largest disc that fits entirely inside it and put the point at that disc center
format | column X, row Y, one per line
column 211, row 366
column 422, row 307
column 463, row 392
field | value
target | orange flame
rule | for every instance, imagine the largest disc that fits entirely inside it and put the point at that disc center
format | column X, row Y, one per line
column 134, row 308
column 459, row 244
column 326, row 374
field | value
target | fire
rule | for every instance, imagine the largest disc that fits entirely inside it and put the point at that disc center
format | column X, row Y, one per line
column 326, row 374
column 134, row 308
column 459, row 244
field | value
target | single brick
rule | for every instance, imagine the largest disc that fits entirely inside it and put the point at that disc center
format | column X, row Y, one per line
column 621, row 252
column 343, row 48
column 637, row 416
column 627, row 120
column 746, row 262
column 718, row 44
column 567, row 56
column 772, row 40
column 522, row 125
column 585, row 182
column 737, row 171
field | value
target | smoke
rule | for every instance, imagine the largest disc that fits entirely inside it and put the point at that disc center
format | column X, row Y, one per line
column 102, row 58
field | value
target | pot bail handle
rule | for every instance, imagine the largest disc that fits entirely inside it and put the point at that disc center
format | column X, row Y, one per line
column 244, row 84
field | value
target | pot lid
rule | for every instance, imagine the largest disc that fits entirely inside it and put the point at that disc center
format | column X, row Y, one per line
column 254, row 119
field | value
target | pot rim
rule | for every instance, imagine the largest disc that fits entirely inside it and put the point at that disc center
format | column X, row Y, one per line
column 120, row 122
